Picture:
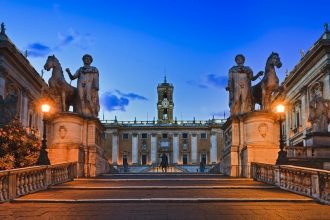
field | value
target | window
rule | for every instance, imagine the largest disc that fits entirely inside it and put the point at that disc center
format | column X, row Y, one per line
column 184, row 135
column 296, row 116
column 125, row 136
column 203, row 136
column 144, row 135
column 184, row 159
column 164, row 135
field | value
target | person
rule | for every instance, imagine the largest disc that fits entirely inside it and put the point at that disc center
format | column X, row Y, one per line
column 88, row 86
column 164, row 162
column 125, row 164
column 239, row 86
column 202, row 166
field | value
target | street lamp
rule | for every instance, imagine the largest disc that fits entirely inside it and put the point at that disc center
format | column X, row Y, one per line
column 281, row 159
column 43, row 157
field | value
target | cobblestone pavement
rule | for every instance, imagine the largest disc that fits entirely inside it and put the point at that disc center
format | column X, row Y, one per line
column 132, row 199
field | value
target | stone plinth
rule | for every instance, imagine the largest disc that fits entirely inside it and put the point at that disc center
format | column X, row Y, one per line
column 318, row 139
column 250, row 137
column 72, row 137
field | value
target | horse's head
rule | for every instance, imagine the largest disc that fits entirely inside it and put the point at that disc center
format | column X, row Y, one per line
column 50, row 63
column 274, row 60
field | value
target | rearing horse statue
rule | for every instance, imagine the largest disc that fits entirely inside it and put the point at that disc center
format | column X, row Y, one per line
column 261, row 92
column 59, row 86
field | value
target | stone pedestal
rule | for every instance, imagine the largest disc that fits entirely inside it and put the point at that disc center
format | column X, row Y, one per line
column 74, row 138
column 318, row 139
column 250, row 137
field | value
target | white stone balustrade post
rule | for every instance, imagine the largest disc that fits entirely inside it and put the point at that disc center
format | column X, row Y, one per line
column 115, row 148
column 175, row 148
column 134, row 149
column 194, row 149
column 213, row 150
column 153, row 148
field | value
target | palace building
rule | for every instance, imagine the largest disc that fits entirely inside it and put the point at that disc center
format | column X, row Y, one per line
column 184, row 142
column 307, row 99
column 21, row 86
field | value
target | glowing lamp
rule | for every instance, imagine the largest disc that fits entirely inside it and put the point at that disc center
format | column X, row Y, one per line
column 45, row 108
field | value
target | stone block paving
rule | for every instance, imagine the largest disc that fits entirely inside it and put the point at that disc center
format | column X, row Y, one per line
column 189, row 211
column 68, row 202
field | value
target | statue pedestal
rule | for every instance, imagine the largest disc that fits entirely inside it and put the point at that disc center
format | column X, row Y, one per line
column 74, row 138
column 250, row 137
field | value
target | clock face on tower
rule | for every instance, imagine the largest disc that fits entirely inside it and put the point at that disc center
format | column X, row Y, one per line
column 165, row 103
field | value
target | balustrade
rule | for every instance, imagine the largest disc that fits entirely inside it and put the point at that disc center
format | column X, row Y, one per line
column 18, row 182
column 310, row 182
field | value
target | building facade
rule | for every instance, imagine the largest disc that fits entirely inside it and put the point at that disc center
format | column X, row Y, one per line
column 184, row 142
column 310, row 77
column 21, row 86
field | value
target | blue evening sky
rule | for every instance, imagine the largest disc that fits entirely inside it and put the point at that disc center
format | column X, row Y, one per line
column 134, row 43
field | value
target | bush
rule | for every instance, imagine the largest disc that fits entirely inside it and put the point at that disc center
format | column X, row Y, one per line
column 18, row 148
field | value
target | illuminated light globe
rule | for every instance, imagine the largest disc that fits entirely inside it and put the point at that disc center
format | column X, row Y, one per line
column 280, row 108
column 45, row 108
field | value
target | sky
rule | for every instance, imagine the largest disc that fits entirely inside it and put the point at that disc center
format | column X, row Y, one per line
column 135, row 43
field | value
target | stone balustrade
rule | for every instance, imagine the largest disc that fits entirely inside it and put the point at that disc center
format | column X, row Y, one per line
column 19, row 182
column 310, row 182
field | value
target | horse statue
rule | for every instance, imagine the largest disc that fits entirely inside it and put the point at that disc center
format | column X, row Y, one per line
column 262, row 91
column 59, row 87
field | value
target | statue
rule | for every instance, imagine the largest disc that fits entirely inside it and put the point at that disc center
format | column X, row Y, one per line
column 88, row 86
column 64, row 94
column 262, row 91
column 319, row 110
column 239, row 86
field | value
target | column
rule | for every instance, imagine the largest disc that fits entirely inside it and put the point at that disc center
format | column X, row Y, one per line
column 175, row 148
column 213, row 151
column 2, row 85
column 153, row 149
column 114, row 148
column 24, row 108
column 194, row 149
column 134, row 149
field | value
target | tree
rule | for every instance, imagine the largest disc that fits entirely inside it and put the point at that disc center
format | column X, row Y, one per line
column 18, row 147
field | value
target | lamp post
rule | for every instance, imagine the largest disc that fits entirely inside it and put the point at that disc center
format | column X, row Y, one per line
column 43, row 157
column 281, row 159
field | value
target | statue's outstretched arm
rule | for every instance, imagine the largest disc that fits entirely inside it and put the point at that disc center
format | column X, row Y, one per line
column 260, row 73
column 72, row 77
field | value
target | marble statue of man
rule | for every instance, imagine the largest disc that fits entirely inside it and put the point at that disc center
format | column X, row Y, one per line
column 88, row 86
column 239, row 86
column 319, row 110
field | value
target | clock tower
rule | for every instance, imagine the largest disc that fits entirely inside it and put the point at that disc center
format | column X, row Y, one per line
column 165, row 103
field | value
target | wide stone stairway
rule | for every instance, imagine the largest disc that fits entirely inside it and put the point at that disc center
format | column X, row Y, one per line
column 163, row 196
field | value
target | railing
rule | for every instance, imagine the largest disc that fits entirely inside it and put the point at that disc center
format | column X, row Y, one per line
column 19, row 182
column 153, row 123
column 310, row 182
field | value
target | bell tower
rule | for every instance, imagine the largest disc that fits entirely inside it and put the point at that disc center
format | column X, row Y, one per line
column 165, row 102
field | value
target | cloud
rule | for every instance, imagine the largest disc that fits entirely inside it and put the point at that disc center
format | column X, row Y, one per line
column 38, row 50
column 210, row 81
column 72, row 37
column 131, row 96
column 118, row 101
column 218, row 81
column 112, row 102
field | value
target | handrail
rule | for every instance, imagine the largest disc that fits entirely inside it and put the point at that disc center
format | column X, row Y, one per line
column 23, row 181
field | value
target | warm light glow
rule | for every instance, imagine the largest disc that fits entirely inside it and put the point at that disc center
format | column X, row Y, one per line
column 280, row 108
column 45, row 108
